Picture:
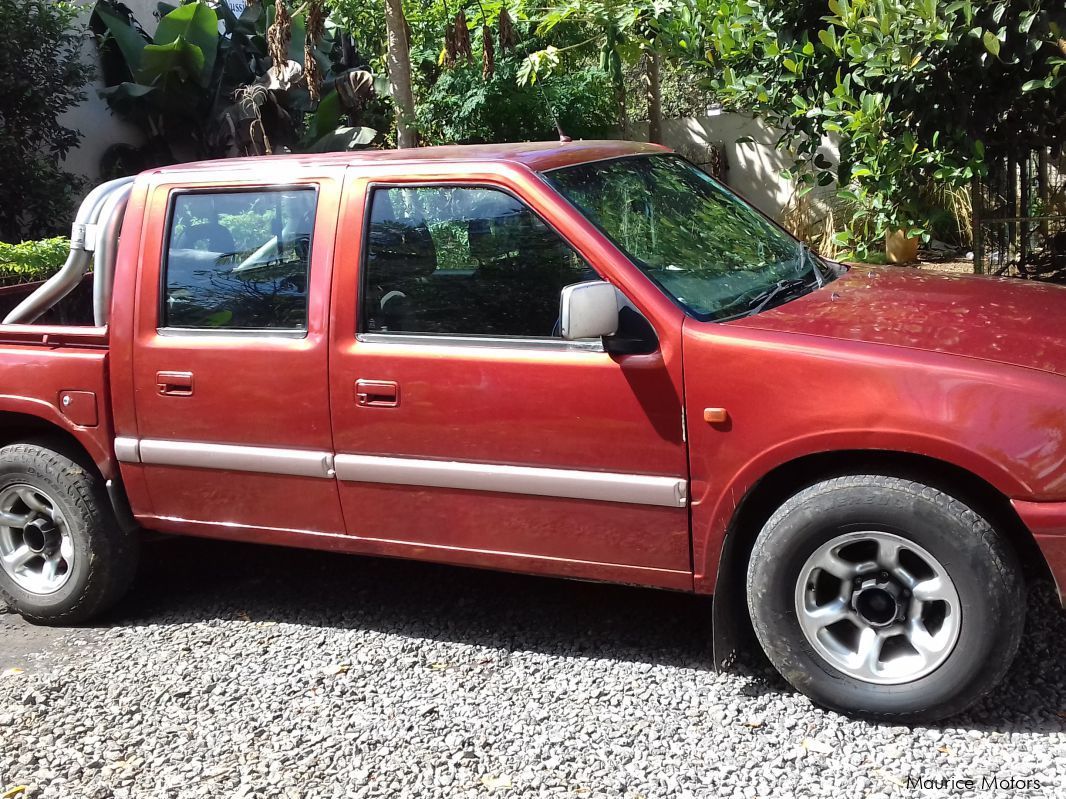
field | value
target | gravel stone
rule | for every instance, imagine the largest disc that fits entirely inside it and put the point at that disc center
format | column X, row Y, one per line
column 235, row 671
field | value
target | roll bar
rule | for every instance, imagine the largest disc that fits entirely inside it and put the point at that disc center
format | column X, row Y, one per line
column 94, row 234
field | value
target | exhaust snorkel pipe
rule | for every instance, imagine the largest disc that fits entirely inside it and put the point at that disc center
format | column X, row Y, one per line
column 84, row 239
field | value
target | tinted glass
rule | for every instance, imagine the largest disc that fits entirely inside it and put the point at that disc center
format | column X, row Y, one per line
column 710, row 250
column 239, row 260
column 463, row 261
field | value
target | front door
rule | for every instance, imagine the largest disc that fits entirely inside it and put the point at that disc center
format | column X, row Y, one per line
column 465, row 428
column 230, row 362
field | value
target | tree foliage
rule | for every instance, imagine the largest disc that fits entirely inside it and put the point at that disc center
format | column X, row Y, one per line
column 43, row 78
column 483, row 95
column 914, row 91
column 462, row 106
column 212, row 84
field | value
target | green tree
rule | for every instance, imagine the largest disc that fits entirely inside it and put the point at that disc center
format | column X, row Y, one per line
column 398, row 58
column 463, row 106
column 913, row 90
column 211, row 84
column 484, row 93
column 622, row 32
column 43, row 77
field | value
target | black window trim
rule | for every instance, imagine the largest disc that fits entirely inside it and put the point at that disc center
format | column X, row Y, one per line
column 454, row 339
column 240, row 332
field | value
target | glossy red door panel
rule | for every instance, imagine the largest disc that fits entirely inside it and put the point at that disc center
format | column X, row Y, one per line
column 546, row 408
column 550, row 528
column 524, row 407
column 219, row 392
column 556, row 410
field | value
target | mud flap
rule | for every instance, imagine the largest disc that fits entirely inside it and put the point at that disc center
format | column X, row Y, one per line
column 732, row 634
column 116, row 493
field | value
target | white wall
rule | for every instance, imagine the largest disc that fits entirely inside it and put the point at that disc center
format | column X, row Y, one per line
column 98, row 126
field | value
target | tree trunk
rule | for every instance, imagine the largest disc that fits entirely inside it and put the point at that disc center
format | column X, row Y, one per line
column 620, row 103
column 655, row 100
column 398, row 60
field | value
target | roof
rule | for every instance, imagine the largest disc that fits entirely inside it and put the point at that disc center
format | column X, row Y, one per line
column 538, row 156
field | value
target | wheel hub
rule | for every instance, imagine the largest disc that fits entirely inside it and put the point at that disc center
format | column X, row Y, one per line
column 879, row 601
column 41, row 537
column 36, row 547
column 878, row 607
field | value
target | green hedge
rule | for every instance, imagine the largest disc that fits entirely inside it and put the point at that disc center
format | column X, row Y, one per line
column 32, row 260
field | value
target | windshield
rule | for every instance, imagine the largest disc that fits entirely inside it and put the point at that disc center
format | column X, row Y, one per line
column 707, row 248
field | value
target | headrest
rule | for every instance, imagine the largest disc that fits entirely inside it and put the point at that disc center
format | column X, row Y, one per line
column 209, row 236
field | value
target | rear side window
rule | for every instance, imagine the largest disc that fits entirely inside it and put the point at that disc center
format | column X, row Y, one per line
column 461, row 261
column 239, row 260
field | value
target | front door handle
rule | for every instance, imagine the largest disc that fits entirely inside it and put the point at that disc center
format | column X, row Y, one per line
column 174, row 384
column 377, row 393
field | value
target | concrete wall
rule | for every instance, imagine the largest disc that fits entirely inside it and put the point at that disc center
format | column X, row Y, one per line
column 99, row 128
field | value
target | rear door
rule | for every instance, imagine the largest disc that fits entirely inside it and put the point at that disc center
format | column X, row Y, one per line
column 465, row 428
column 231, row 359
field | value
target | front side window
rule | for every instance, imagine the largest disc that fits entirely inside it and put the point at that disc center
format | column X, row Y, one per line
column 712, row 252
column 463, row 261
column 239, row 260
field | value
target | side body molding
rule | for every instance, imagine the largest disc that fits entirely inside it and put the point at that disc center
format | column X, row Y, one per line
column 573, row 483
column 635, row 489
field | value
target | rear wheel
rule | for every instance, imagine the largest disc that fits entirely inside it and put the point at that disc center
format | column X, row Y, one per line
column 884, row 597
column 63, row 556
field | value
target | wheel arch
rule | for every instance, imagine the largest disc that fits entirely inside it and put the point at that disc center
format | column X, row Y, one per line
column 731, row 623
column 20, row 426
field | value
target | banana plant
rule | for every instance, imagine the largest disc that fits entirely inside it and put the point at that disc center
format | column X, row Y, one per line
column 206, row 85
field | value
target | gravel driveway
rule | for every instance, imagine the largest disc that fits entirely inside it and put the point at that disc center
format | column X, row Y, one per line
column 241, row 671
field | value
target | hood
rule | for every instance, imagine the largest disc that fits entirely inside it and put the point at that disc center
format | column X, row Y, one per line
column 1006, row 320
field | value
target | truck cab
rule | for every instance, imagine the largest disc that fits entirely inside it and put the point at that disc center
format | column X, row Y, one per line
column 576, row 359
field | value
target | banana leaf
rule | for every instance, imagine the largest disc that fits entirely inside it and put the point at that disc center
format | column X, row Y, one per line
column 344, row 139
column 129, row 41
column 166, row 65
column 196, row 24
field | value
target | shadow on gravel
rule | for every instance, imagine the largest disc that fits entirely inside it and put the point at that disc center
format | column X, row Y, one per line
column 186, row 580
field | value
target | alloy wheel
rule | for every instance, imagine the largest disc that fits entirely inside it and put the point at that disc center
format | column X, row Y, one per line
column 878, row 608
column 36, row 547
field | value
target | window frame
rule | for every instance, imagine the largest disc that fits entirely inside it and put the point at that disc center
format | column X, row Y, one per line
column 454, row 339
column 243, row 332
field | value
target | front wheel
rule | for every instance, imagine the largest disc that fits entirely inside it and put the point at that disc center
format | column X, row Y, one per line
column 886, row 598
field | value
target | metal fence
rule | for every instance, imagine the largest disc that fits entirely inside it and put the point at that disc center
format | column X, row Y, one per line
column 1020, row 216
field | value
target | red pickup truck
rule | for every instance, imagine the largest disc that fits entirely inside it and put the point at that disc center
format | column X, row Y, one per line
column 582, row 359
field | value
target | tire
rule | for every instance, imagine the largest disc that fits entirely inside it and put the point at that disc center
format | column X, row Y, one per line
column 915, row 637
column 65, row 557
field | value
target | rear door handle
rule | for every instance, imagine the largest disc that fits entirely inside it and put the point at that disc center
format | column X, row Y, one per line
column 174, row 384
column 377, row 393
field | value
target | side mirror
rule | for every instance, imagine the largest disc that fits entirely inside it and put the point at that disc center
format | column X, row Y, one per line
column 588, row 310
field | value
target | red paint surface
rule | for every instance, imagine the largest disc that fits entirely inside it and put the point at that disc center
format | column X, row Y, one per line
column 968, row 371
column 995, row 319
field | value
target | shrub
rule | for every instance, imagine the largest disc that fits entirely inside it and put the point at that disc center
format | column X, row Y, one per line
column 463, row 108
column 32, row 260
column 40, row 59
column 913, row 91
